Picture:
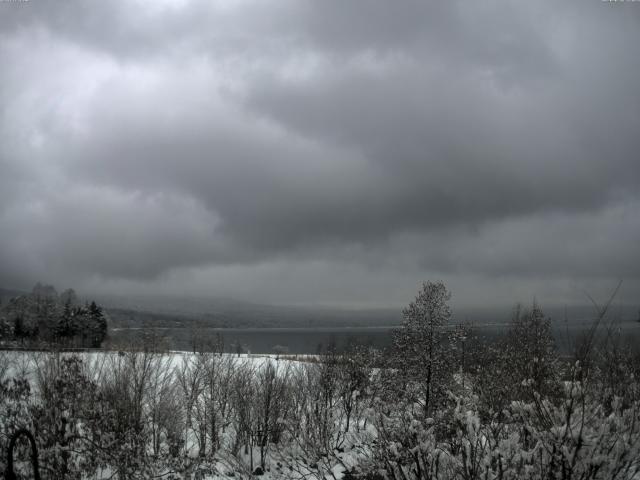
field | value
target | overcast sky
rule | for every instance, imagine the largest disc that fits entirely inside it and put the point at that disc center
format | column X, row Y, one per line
column 326, row 152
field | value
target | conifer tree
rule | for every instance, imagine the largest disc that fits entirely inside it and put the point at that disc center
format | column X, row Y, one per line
column 98, row 325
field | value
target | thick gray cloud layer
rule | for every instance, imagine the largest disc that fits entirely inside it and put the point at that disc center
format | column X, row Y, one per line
column 321, row 152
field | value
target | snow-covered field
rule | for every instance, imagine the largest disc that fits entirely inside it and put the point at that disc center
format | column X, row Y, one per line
column 25, row 363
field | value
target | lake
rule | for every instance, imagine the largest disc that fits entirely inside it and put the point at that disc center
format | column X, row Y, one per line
column 310, row 341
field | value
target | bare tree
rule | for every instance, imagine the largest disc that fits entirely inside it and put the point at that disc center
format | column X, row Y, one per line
column 190, row 377
column 421, row 348
column 219, row 374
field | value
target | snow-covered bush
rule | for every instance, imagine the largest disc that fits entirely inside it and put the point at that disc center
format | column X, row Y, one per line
column 15, row 396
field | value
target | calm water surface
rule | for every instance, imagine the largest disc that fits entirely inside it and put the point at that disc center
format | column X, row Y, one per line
column 310, row 341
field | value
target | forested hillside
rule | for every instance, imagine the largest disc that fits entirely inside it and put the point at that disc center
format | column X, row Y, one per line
column 45, row 317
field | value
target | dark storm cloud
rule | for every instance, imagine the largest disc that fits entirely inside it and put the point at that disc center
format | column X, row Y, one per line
column 451, row 138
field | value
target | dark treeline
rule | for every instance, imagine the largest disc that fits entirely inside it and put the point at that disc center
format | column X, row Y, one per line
column 46, row 317
column 439, row 403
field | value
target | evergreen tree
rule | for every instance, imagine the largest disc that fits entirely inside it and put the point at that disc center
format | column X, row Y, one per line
column 20, row 330
column 67, row 326
column 98, row 325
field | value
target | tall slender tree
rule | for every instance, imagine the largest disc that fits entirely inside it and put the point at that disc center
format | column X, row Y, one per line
column 421, row 346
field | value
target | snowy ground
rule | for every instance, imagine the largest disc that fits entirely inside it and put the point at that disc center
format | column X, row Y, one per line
column 24, row 364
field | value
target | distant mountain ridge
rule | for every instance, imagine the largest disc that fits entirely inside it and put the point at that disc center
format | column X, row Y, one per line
column 229, row 313
column 182, row 311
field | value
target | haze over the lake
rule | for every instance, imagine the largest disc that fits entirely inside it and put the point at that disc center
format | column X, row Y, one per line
column 322, row 153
